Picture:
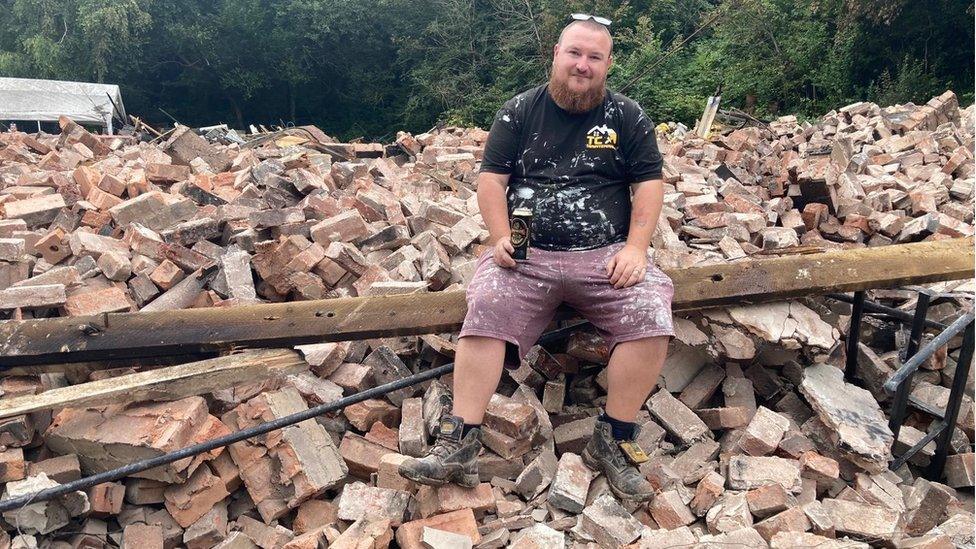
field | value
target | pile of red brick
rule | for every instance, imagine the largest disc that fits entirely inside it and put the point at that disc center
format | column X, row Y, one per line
column 93, row 225
column 755, row 438
column 863, row 175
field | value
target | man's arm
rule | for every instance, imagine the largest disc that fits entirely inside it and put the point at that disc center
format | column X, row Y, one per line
column 646, row 204
column 629, row 265
column 494, row 210
column 493, row 204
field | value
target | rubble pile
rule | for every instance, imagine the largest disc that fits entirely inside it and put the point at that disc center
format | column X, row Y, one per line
column 95, row 225
column 755, row 438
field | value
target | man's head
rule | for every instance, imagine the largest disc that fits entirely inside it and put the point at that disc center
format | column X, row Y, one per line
column 580, row 61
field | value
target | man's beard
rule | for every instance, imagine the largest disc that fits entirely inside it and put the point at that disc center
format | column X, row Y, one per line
column 574, row 102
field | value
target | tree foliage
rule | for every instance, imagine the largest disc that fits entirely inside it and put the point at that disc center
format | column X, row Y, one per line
column 371, row 67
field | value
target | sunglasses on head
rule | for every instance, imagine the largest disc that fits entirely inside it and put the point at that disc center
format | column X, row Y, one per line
column 586, row 17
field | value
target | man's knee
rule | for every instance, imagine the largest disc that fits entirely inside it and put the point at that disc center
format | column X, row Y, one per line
column 481, row 342
column 479, row 349
column 653, row 347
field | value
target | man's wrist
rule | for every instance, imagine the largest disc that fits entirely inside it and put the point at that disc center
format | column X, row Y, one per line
column 493, row 240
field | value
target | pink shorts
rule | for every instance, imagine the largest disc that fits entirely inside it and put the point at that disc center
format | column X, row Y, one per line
column 516, row 305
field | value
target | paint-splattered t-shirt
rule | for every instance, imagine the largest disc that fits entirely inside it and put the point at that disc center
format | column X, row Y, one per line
column 572, row 170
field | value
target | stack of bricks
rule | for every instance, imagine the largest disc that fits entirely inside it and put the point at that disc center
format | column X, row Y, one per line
column 91, row 225
column 774, row 452
column 125, row 227
column 754, row 437
column 862, row 175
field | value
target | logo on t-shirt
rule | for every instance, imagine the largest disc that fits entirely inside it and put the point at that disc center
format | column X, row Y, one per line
column 601, row 137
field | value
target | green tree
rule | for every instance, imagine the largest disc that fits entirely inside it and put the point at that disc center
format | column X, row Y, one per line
column 369, row 68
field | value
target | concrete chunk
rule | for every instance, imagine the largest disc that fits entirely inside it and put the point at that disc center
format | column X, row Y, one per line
column 108, row 438
column 537, row 537
column 42, row 517
column 31, row 297
column 284, row 469
column 608, row 523
column 571, row 484
column 862, row 521
column 677, row 418
column 747, row 473
column 857, row 424
column 359, row 500
column 764, row 432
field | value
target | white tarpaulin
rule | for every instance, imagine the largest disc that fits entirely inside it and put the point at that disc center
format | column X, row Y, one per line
column 46, row 100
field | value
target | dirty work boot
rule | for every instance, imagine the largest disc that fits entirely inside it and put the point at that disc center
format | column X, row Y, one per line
column 451, row 459
column 606, row 455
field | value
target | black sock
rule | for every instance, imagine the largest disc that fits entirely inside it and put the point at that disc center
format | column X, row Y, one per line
column 622, row 430
column 467, row 427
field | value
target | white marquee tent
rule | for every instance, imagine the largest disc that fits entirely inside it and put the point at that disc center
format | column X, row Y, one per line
column 46, row 100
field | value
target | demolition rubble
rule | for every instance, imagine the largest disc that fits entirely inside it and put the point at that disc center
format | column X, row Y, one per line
column 754, row 436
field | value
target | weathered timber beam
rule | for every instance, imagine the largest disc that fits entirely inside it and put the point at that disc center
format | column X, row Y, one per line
column 169, row 383
column 281, row 324
column 79, row 372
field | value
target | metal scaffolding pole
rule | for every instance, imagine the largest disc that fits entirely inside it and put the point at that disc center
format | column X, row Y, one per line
column 189, row 451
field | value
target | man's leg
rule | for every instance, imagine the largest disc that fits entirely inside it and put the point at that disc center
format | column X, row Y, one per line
column 638, row 319
column 503, row 305
column 633, row 370
column 478, row 367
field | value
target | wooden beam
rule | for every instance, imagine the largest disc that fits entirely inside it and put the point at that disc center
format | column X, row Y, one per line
column 118, row 335
column 79, row 372
column 170, row 383
column 779, row 278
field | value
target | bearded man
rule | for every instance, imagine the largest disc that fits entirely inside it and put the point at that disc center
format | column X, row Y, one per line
column 585, row 161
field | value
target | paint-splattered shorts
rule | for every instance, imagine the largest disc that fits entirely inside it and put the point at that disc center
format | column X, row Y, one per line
column 516, row 305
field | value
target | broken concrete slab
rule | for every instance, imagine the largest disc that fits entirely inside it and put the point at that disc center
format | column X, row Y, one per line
column 858, row 425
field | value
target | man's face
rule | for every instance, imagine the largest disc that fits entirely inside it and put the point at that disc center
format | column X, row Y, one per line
column 581, row 61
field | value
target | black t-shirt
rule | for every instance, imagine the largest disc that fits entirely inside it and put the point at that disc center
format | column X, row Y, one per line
column 572, row 170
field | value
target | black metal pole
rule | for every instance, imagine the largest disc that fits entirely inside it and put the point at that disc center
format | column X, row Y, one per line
column 854, row 335
column 910, row 453
column 955, row 401
column 896, row 314
column 900, row 402
column 918, row 324
column 165, row 459
column 913, row 363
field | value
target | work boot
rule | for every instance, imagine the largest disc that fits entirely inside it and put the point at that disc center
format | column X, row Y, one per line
column 617, row 461
column 452, row 458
